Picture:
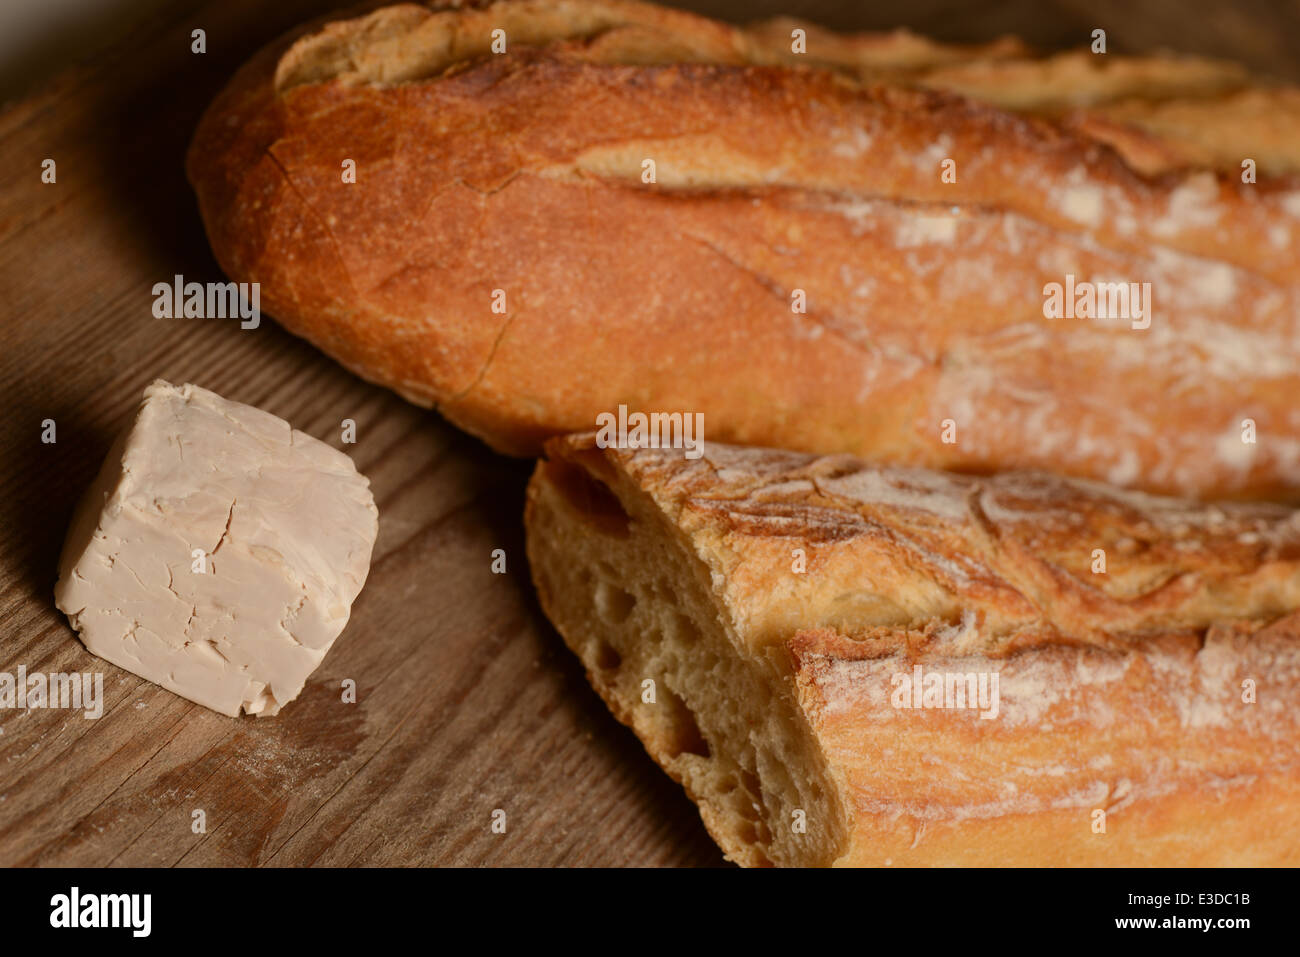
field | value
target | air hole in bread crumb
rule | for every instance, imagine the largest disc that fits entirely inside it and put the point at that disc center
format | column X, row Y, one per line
column 613, row 603
column 589, row 497
column 757, row 834
column 607, row 659
column 687, row 632
column 686, row 737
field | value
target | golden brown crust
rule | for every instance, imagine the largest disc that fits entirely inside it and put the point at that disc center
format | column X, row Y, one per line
column 1160, row 737
column 1079, row 79
column 1219, row 132
column 1163, row 691
column 475, row 173
column 1016, row 549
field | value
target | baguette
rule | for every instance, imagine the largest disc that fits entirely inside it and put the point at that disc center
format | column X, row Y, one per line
column 500, row 258
column 774, row 598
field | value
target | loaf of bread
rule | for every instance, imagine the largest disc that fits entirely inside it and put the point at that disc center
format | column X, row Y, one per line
column 634, row 205
column 854, row 664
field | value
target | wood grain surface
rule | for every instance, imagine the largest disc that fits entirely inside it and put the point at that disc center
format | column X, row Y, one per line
column 467, row 700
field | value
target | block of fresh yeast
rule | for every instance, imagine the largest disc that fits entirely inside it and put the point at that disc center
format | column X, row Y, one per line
column 219, row 551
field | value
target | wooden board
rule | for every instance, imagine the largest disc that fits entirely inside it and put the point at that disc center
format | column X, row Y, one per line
column 468, row 702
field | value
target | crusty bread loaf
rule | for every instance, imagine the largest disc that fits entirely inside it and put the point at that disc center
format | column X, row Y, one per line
column 777, row 175
column 1146, row 714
